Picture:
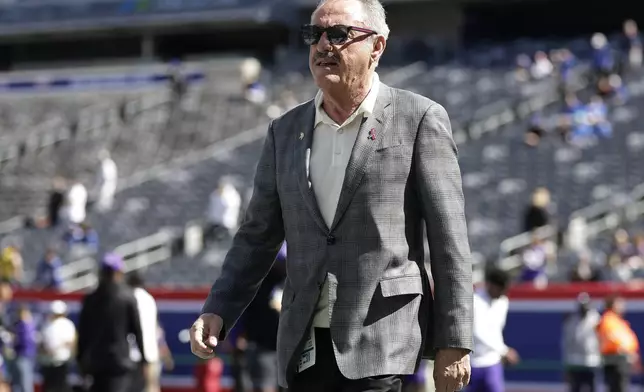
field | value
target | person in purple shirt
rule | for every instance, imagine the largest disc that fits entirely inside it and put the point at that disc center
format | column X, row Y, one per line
column 82, row 234
column 48, row 272
column 25, row 349
column 603, row 57
column 598, row 115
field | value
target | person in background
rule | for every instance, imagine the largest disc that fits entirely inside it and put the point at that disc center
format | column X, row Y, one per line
column 108, row 316
column 82, row 234
column 48, row 272
column 584, row 270
column 250, row 72
column 598, row 117
column 58, row 346
column 618, row 345
column 603, row 58
column 106, row 181
column 208, row 374
column 567, row 63
column 260, row 328
column 611, row 88
column 522, row 69
column 622, row 246
column 165, row 354
column 638, row 242
column 542, row 67
column 6, row 295
column 25, row 349
column 4, row 385
column 535, row 262
column 535, row 130
column 490, row 352
column 582, row 128
column 56, row 201
column 633, row 47
column 571, row 105
column 149, row 319
column 537, row 214
column 223, row 210
column 11, row 270
column 580, row 346
column 76, row 204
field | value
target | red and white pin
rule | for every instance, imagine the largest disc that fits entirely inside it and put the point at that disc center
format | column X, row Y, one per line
column 372, row 134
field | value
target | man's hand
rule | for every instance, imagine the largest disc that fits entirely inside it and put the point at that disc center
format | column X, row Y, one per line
column 511, row 357
column 147, row 373
column 451, row 369
column 203, row 335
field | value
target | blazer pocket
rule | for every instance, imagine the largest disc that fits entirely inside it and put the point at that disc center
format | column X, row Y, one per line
column 391, row 140
column 401, row 285
column 390, row 146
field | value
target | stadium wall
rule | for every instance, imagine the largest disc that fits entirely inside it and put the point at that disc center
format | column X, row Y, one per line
column 533, row 328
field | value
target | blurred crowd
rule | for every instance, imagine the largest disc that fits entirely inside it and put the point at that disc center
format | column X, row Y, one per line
column 591, row 342
column 619, row 260
column 42, row 338
column 581, row 120
column 579, row 123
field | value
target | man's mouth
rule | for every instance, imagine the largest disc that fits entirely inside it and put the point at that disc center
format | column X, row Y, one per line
column 327, row 63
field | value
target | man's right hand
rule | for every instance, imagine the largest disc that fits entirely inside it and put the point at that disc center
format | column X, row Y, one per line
column 203, row 335
column 511, row 357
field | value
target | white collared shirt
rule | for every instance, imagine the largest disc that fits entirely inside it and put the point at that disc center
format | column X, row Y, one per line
column 330, row 154
column 489, row 320
column 58, row 338
column 148, row 317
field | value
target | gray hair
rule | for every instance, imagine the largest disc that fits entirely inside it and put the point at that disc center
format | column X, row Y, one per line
column 374, row 16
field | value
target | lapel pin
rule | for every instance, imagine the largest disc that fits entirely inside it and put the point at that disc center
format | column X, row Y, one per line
column 372, row 134
column 301, row 135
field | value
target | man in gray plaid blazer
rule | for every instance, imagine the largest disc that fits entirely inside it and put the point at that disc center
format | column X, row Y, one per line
column 348, row 180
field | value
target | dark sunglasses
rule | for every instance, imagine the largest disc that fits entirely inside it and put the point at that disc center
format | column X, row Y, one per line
column 337, row 35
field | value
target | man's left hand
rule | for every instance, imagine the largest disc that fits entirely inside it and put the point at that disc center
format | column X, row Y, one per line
column 451, row 369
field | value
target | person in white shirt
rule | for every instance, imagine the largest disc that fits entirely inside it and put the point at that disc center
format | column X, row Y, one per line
column 149, row 329
column 58, row 342
column 107, row 178
column 224, row 208
column 76, row 203
column 580, row 346
column 542, row 67
column 490, row 352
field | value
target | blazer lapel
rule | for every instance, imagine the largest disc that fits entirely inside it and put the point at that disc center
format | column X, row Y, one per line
column 363, row 149
column 303, row 163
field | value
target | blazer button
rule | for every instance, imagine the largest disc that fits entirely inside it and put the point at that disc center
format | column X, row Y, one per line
column 330, row 240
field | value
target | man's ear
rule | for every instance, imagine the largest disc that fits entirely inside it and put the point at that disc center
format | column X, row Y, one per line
column 378, row 48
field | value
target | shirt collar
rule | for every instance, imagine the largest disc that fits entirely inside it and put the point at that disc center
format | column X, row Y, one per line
column 365, row 108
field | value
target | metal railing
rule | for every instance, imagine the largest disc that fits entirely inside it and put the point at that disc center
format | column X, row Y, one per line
column 519, row 241
column 11, row 225
column 82, row 274
column 603, row 217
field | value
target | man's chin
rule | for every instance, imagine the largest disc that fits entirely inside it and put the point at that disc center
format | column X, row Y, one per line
column 326, row 79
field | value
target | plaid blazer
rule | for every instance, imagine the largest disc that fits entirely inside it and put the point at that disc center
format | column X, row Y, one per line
column 383, row 314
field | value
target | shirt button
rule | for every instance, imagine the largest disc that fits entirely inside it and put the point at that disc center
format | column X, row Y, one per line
column 340, row 131
column 330, row 240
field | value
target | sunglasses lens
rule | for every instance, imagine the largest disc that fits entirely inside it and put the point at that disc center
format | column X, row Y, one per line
column 337, row 35
column 310, row 34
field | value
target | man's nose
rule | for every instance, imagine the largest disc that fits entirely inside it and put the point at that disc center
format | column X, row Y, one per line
column 323, row 44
